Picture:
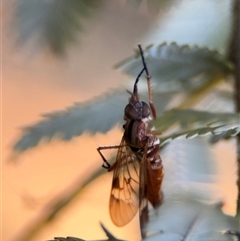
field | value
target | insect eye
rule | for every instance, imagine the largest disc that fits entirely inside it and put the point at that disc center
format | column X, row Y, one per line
column 138, row 111
column 131, row 112
column 145, row 110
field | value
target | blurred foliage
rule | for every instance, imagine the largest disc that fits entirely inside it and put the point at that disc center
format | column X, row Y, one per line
column 54, row 23
column 57, row 23
column 154, row 6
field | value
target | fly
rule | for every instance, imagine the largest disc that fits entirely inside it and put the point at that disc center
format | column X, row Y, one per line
column 138, row 170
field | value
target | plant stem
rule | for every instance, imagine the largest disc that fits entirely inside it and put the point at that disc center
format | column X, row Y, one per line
column 235, row 58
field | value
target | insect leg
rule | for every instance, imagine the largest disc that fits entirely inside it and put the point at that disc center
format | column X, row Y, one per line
column 153, row 109
column 106, row 164
column 149, row 84
column 143, row 192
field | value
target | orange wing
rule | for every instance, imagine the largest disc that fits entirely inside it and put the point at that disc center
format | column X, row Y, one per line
column 124, row 197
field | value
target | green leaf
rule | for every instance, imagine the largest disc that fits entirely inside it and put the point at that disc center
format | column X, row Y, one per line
column 204, row 131
column 190, row 169
column 186, row 219
column 210, row 123
column 82, row 117
column 53, row 23
column 171, row 62
column 187, row 118
column 224, row 135
column 98, row 115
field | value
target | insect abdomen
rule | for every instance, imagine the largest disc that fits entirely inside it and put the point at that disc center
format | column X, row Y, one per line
column 155, row 178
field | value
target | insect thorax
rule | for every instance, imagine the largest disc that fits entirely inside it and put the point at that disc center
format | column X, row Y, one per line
column 136, row 133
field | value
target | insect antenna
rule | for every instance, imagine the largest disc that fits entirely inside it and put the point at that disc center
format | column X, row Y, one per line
column 148, row 83
column 135, row 90
column 143, row 60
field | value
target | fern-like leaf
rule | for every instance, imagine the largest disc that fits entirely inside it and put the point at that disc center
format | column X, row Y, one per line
column 204, row 131
column 193, row 123
column 98, row 115
column 168, row 62
column 186, row 219
column 226, row 135
column 187, row 118
column 82, row 118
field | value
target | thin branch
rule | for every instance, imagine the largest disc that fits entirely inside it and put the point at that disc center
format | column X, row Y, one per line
column 235, row 57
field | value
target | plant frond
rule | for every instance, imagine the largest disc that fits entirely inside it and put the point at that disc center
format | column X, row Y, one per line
column 187, row 118
column 188, row 219
column 100, row 114
column 168, row 62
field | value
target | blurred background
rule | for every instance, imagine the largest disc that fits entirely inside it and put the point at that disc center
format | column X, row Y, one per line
column 37, row 79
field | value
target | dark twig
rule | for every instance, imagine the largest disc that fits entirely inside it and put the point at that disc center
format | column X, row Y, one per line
column 235, row 58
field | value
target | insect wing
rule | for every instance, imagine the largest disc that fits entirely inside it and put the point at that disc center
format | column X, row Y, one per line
column 124, row 197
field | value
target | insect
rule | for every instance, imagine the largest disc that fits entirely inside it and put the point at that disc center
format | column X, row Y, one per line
column 138, row 170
